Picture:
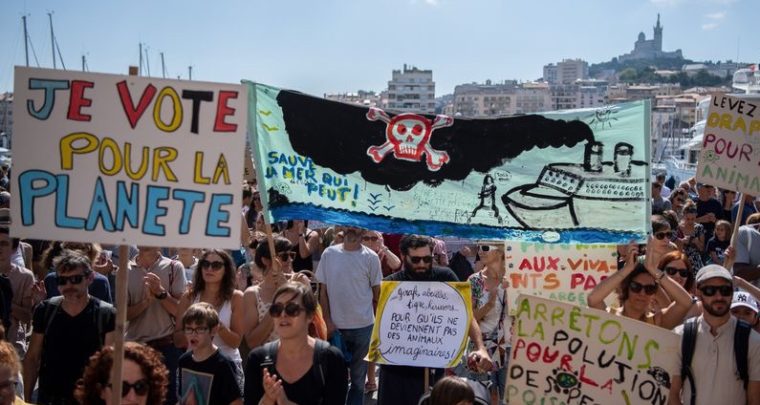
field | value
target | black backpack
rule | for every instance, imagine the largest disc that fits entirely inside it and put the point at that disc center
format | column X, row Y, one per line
column 689, row 342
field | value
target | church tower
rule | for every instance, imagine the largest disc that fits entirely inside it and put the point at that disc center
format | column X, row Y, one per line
column 658, row 35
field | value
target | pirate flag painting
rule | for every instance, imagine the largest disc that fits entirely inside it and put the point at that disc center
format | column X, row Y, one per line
column 537, row 177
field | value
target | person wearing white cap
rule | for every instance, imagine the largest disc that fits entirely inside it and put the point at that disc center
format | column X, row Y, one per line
column 713, row 376
column 744, row 307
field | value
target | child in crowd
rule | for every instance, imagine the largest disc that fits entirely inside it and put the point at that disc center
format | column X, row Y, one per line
column 717, row 245
column 205, row 375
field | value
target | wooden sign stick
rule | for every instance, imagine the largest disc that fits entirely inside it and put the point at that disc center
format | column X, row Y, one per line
column 730, row 260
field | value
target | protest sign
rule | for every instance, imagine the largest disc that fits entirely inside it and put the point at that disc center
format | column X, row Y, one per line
column 124, row 159
column 730, row 156
column 574, row 176
column 569, row 354
column 561, row 272
column 421, row 324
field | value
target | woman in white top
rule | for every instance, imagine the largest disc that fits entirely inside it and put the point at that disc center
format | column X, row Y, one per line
column 258, row 325
column 214, row 283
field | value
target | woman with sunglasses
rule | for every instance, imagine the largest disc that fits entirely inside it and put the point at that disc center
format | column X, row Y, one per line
column 258, row 325
column 296, row 368
column 691, row 235
column 144, row 377
column 489, row 303
column 678, row 199
column 637, row 284
column 214, row 283
column 677, row 265
column 304, row 243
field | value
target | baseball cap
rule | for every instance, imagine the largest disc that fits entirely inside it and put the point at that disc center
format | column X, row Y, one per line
column 743, row 299
column 713, row 271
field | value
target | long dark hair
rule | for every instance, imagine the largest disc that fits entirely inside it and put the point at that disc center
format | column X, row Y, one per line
column 228, row 278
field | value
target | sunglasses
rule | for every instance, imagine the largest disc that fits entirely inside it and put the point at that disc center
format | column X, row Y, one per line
column 649, row 289
column 663, row 235
column 285, row 256
column 672, row 271
column 75, row 279
column 291, row 309
column 486, row 248
column 417, row 259
column 217, row 265
column 370, row 238
column 195, row 331
column 680, row 200
column 724, row 290
column 141, row 388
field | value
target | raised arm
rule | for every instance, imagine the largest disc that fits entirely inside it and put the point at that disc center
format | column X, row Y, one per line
column 596, row 297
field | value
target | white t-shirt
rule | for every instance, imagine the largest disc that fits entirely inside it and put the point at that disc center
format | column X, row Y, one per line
column 349, row 277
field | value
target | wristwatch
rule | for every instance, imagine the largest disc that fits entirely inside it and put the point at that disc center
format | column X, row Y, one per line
column 162, row 295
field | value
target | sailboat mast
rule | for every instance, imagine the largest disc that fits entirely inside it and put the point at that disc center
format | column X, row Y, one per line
column 26, row 41
column 141, row 63
column 163, row 66
column 52, row 37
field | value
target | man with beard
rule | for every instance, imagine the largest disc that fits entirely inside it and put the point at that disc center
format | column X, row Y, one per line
column 351, row 276
column 404, row 385
column 714, row 371
column 66, row 331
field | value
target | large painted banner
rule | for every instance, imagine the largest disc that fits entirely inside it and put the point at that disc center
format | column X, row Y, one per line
column 568, row 354
column 124, row 159
column 559, row 272
column 730, row 156
column 573, row 176
column 421, row 324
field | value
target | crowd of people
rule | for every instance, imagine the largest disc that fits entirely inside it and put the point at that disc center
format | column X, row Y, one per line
column 293, row 325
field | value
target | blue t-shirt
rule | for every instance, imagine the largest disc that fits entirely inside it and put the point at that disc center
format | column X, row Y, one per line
column 100, row 288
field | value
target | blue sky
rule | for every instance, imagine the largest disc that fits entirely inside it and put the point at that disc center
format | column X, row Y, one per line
column 344, row 45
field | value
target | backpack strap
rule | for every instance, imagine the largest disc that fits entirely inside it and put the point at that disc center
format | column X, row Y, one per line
column 741, row 350
column 270, row 356
column 688, row 343
column 51, row 310
column 320, row 348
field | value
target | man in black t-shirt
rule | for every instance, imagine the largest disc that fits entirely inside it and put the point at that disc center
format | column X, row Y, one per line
column 402, row 385
column 709, row 209
column 66, row 331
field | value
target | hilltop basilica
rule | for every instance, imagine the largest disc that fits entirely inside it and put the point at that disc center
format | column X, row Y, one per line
column 650, row 48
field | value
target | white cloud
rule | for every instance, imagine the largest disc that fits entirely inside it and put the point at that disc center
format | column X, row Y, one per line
column 709, row 26
column 716, row 16
column 431, row 2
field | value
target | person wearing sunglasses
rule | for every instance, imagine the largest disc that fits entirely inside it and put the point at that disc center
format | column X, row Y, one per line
column 403, row 385
column 489, row 307
column 678, row 199
column 304, row 241
column 66, row 331
column 296, row 368
column 389, row 262
column 214, row 283
column 205, row 374
column 637, row 283
column 144, row 377
column 257, row 324
column 713, row 366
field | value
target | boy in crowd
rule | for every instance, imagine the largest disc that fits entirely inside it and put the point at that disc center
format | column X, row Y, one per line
column 206, row 376
column 744, row 307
